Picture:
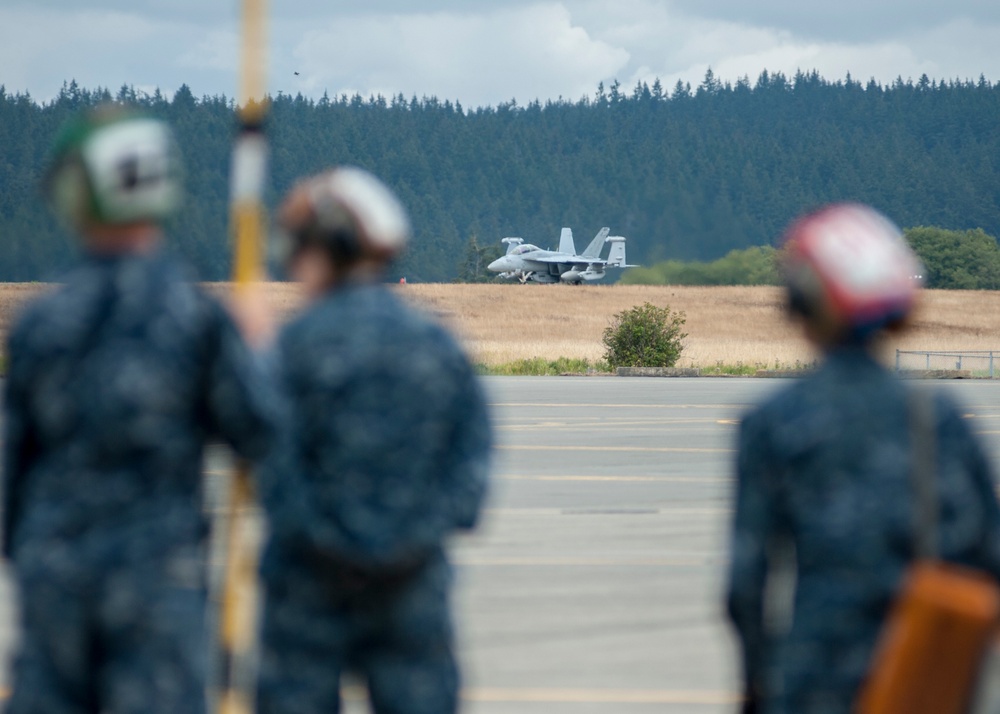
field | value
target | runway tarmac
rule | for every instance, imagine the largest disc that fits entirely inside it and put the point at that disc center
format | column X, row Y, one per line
column 594, row 584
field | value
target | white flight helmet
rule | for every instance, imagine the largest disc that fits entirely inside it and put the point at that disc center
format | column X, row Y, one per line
column 350, row 212
column 112, row 167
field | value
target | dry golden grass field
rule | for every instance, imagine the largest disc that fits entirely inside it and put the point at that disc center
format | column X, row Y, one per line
column 501, row 323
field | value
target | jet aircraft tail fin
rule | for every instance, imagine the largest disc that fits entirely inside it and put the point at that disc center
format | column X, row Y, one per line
column 596, row 245
column 616, row 256
column 566, row 244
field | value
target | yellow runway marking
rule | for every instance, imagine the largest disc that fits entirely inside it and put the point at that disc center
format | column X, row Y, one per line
column 459, row 559
column 609, row 422
column 564, row 695
column 667, row 510
column 642, row 479
column 656, row 449
column 619, row 406
column 549, row 695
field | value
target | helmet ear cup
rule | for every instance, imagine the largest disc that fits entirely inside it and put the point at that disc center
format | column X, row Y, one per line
column 797, row 304
column 801, row 304
column 341, row 244
column 344, row 245
column 333, row 225
column 68, row 188
column 803, row 291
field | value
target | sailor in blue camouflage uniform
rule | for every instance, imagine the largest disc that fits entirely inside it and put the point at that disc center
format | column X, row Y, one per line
column 116, row 380
column 384, row 455
column 824, row 476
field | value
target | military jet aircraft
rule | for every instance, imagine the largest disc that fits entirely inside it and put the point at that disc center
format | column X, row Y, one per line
column 525, row 261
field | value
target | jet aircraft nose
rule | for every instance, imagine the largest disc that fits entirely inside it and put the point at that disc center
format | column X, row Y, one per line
column 499, row 265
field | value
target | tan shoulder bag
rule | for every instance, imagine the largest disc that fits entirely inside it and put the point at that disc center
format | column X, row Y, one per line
column 932, row 644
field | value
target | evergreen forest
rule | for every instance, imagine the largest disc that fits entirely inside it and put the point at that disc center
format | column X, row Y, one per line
column 685, row 173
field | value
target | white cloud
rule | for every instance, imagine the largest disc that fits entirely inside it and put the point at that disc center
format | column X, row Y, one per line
column 844, row 21
column 487, row 52
column 962, row 48
column 522, row 52
column 40, row 49
column 670, row 43
column 216, row 49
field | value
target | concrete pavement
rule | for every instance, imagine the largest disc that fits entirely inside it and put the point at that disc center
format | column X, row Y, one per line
column 594, row 584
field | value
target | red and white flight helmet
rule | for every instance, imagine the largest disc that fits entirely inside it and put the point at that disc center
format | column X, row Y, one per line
column 850, row 266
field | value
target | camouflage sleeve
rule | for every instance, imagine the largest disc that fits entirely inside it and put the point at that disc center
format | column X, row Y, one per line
column 754, row 524
column 280, row 482
column 240, row 396
column 19, row 445
column 983, row 551
column 468, row 474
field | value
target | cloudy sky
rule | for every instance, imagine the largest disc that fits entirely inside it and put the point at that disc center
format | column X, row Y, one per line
column 483, row 52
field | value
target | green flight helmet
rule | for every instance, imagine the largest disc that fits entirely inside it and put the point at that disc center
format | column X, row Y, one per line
column 110, row 166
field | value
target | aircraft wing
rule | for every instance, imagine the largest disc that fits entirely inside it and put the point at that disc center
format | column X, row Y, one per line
column 567, row 259
column 551, row 259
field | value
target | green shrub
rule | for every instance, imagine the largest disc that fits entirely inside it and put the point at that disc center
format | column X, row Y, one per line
column 957, row 260
column 752, row 266
column 644, row 336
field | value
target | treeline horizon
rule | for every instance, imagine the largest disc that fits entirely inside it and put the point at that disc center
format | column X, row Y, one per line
column 689, row 173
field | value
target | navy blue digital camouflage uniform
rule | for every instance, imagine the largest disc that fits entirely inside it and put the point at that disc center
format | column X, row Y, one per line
column 824, row 474
column 385, row 454
column 115, row 382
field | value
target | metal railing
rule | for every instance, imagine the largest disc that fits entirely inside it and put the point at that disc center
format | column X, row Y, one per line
column 980, row 362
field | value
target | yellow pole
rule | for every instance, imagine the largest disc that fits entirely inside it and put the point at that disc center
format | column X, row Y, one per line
column 247, row 185
column 250, row 155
